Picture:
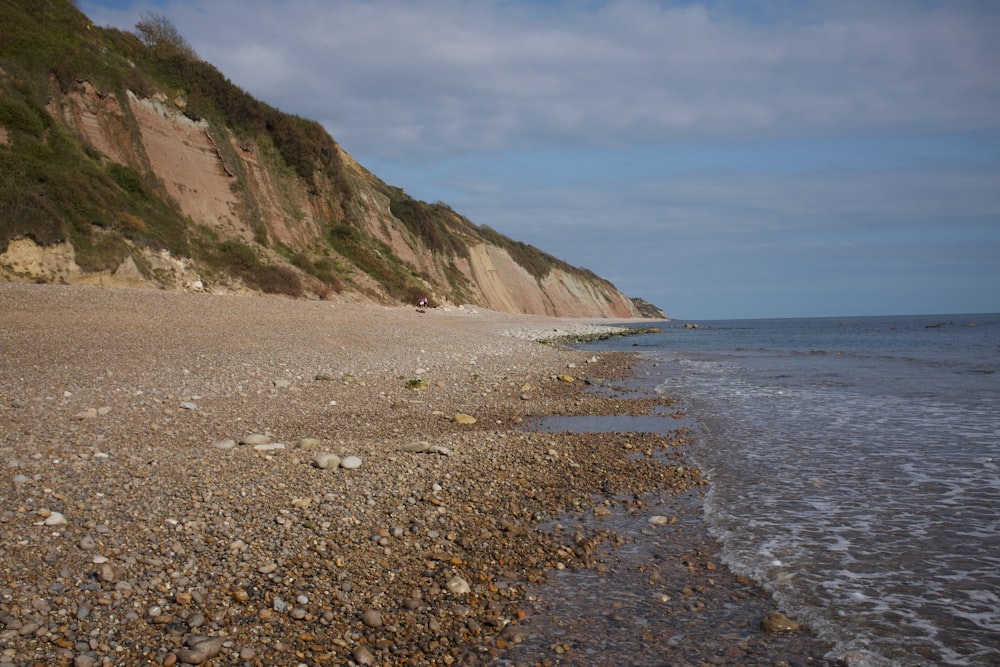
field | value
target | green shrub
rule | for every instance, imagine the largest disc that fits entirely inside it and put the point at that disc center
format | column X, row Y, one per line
column 21, row 115
column 127, row 179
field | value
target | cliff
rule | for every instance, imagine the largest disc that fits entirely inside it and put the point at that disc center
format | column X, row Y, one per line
column 126, row 163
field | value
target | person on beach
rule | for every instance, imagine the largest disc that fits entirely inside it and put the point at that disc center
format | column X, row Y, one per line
column 423, row 302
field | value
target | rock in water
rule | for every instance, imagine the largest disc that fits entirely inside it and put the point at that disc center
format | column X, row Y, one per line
column 777, row 622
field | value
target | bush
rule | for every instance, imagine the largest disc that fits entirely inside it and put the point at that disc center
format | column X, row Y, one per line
column 278, row 280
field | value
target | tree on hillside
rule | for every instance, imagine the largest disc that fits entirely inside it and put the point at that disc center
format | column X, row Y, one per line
column 158, row 33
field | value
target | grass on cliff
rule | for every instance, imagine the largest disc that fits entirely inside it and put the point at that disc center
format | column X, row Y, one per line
column 377, row 260
column 54, row 189
column 236, row 258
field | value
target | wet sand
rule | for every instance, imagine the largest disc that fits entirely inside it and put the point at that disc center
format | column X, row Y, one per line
column 134, row 530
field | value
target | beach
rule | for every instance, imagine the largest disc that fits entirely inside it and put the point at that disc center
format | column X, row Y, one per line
column 171, row 492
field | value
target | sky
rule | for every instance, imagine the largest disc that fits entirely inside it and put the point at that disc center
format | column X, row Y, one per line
column 717, row 158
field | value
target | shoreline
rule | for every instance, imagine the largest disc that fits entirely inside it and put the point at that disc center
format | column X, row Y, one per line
column 132, row 531
column 655, row 592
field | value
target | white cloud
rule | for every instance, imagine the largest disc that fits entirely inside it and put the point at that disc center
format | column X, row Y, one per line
column 405, row 79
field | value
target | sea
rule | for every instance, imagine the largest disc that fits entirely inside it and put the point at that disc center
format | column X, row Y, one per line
column 854, row 472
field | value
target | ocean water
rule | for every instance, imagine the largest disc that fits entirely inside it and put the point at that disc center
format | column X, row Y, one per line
column 854, row 468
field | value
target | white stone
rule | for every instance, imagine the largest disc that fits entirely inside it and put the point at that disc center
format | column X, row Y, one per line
column 326, row 461
column 55, row 519
column 350, row 462
column 458, row 586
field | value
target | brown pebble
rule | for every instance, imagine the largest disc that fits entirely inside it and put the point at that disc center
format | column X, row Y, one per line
column 363, row 656
column 372, row 618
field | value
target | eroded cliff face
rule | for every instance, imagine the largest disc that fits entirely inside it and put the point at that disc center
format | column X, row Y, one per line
column 508, row 287
column 245, row 191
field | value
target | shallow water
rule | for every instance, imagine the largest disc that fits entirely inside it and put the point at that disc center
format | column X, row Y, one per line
column 854, row 473
column 656, row 596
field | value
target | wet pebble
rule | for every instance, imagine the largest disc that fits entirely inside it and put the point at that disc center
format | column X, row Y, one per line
column 776, row 622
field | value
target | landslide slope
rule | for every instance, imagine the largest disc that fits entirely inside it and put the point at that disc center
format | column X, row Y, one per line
column 127, row 160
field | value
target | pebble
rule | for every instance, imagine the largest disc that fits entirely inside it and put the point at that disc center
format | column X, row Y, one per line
column 55, row 519
column 363, row 656
column 422, row 447
column 372, row 618
column 256, row 439
column 462, row 418
column 308, row 444
column 224, row 444
column 350, row 462
column 107, row 573
column 199, row 649
column 269, row 447
column 458, row 586
column 326, row 461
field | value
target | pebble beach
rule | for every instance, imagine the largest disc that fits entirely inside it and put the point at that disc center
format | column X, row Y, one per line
column 193, row 479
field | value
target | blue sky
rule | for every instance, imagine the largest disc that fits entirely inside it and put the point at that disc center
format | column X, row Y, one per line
column 720, row 159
